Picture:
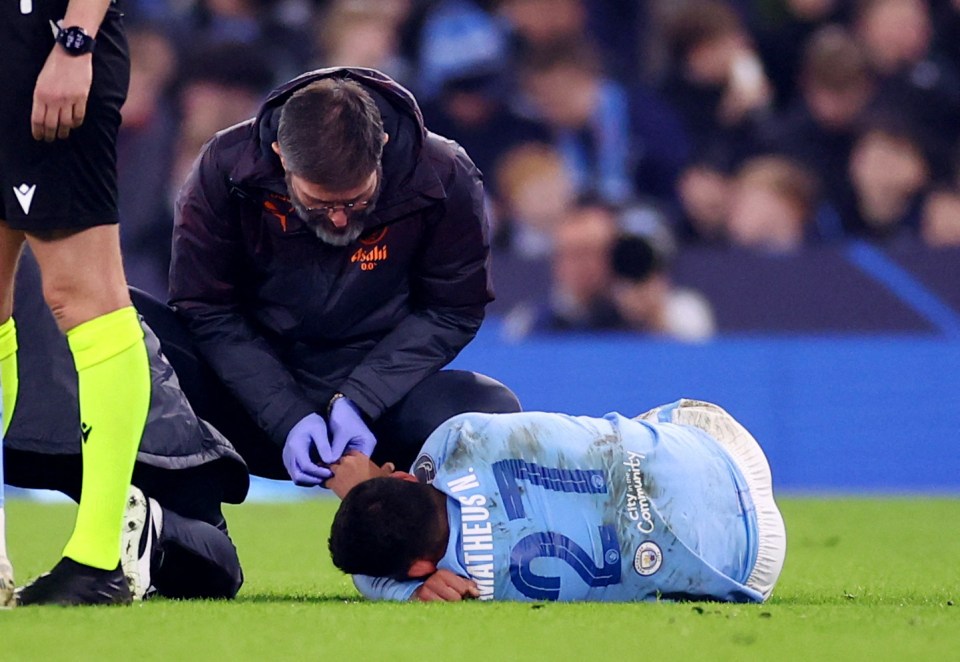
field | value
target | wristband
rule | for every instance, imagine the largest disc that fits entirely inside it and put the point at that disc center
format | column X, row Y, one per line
column 336, row 396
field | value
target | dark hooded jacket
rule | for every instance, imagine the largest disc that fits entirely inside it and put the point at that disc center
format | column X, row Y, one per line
column 286, row 320
column 46, row 419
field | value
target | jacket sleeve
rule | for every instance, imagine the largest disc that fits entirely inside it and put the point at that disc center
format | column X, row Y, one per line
column 450, row 287
column 205, row 288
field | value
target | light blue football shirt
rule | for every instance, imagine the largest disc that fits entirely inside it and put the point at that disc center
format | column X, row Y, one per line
column 546, row 506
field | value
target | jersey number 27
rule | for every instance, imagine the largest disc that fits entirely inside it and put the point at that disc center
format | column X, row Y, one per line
column 549, row 544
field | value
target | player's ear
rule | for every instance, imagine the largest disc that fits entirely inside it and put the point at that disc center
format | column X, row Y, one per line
column 421, row 568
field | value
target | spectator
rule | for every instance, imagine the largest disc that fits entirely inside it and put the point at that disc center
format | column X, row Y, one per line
column 257, row 24
column 580, row 265
column 616, row 144
column 781, row 36
column 946, row 44
column 896, row 33
column 646, row 298
column 772, row 205
column 717, row 84
column 464, row 58
column 362, row 33
column 913, row 80
column 836, row 86
column 611, row 24
column 704, row 196
column 220, row 85
column 458, row 38
column 535, row 189
column 889, row 172
column 538, row 23
column 940, row 225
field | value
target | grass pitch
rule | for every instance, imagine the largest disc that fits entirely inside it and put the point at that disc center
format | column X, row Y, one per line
column 875, row 579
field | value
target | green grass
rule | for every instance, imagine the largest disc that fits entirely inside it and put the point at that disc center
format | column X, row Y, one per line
column 864, row 579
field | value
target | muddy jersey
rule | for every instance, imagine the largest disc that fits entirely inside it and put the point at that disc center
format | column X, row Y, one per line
column 547, row 506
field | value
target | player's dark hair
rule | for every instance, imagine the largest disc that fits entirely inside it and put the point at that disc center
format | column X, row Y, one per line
column 383, row 526
column 331, row 133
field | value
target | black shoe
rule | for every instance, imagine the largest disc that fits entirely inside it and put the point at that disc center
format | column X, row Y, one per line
column 72, row 583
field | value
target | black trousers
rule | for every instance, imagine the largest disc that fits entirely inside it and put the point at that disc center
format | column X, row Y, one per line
column 194, row 556
column 406, row 424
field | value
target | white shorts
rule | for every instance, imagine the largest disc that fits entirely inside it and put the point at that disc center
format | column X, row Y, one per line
column 749, row 458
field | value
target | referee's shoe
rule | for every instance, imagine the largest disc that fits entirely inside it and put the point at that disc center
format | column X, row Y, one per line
column 72, row 583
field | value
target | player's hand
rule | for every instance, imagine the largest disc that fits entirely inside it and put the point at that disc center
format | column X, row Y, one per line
column 446, row 586
column 348, row 432
column 60, row 95
column 352, row 469
column 309, row 432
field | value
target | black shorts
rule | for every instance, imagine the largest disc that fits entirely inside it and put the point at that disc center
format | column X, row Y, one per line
column 69, row 183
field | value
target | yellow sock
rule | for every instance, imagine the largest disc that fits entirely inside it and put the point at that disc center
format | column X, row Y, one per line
column 113, row 374
column 9, row 377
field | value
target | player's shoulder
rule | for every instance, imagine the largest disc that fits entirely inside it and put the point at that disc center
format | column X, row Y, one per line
column 466, row 428
column 470, row 434
column 494, row 430
column 446, row 441
column 471, row 422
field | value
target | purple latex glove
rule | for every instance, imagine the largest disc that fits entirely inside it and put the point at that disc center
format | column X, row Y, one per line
column 309, row 431
column 348, row 432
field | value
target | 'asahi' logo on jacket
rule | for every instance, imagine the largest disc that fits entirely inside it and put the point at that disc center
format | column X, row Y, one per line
column 368, row 259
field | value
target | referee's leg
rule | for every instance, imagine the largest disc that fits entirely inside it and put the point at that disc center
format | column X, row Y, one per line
column 85, row 288
column 63, row 195
column 11, row 244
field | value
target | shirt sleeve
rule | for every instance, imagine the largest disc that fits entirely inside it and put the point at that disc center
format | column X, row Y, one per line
column 384, row 588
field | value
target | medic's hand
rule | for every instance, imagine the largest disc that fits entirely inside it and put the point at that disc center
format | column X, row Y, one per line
column 309, row 431
column 446, row 586
column 348, row 432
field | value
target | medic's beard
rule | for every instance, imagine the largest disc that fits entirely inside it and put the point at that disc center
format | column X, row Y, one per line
column 324, row 228
column 326, row 231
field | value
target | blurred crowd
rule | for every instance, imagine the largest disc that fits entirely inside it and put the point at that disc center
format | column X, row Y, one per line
column 612, row 133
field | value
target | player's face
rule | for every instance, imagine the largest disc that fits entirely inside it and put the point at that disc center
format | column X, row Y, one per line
column 337, row 217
